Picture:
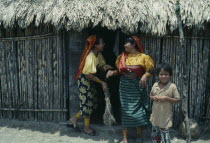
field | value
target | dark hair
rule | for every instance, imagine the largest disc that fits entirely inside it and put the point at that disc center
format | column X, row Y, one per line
column 98, row 37
column 132, row 41
column 165, row 67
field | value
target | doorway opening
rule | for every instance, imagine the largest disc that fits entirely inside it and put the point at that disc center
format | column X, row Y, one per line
column 110, row 56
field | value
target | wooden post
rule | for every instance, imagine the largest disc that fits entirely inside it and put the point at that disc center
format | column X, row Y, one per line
column 185, row 68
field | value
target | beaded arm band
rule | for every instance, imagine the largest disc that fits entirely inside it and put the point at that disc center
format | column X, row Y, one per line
column 147, row 74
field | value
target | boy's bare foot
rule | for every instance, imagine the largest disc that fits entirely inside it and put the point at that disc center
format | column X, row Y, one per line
column 73, row 121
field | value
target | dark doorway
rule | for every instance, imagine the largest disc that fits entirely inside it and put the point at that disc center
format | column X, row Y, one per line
column 113, row 83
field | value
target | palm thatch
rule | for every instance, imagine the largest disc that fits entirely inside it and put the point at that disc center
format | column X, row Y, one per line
column 149, row 16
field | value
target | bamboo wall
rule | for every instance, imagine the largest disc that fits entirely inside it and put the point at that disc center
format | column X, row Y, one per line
column 167, row 49
column 37, row 66
column 32, row 83
column 75, row 44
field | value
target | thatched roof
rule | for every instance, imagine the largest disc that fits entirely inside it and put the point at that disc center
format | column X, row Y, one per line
column 149, row 16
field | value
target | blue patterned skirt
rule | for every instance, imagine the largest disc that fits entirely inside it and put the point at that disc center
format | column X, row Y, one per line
column 87, row 92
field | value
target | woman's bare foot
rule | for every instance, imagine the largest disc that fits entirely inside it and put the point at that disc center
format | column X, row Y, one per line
column 125, row 140
column 74, row 120
column 89, row 131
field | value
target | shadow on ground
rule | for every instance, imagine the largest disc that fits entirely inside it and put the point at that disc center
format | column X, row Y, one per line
column 61, row 133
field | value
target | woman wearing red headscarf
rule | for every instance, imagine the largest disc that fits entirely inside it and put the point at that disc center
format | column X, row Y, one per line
column 134, row 67
column 91, row 60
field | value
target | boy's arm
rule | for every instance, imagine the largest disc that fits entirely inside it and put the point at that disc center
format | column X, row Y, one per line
column 152, row 97
column 176, row 96
column 167, row 98
column 174, row 99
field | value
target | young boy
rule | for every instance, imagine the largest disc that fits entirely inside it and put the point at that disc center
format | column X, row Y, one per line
column 164, row 94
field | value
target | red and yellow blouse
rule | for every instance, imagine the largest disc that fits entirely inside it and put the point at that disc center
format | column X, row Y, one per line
column 139, row 63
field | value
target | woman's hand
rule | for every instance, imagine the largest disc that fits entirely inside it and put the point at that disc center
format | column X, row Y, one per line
column 104, row 85
column 110, row 73
column 143, row 81
column 107, row 67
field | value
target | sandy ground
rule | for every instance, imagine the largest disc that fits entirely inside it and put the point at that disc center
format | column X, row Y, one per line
column 13, row 131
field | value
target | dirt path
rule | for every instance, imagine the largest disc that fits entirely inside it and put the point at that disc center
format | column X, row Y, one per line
column 12, row 131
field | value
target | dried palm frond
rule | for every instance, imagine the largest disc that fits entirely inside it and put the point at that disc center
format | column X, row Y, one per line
column 108, row 117
column 131, row 16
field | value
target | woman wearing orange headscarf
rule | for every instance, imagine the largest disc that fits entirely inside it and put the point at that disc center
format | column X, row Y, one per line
column 134, row 67
column 91, row 60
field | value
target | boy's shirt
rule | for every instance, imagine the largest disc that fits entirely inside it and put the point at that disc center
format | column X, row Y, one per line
column 162, row 111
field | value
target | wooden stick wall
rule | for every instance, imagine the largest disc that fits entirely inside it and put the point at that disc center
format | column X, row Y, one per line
column 167, row 49
column 37, row 66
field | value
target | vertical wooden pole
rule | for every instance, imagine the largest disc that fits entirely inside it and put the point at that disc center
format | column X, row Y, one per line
column 185, row 71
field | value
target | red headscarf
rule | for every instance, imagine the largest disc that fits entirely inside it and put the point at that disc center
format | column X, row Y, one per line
column 124, row 54
column 88, row 46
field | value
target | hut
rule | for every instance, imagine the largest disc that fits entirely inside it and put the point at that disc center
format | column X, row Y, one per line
column 41, row 43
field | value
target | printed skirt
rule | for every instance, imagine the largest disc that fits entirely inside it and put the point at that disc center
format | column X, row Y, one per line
column 87, row 92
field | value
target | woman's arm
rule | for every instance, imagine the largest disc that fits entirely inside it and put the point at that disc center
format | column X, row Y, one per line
column 112, row 73
column 94, row 78
column 147, row 74
column 105, row 67
column 149, row 65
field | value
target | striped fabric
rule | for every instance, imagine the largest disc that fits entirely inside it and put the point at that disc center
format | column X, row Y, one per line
column 134, row 103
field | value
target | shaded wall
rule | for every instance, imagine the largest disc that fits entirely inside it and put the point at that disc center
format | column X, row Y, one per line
column 167, row 49
column 75, row 43
column 32, row 83
column 37, row 66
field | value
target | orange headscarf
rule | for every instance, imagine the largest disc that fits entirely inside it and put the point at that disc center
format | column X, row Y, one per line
column 88, row 46
column 124, row 54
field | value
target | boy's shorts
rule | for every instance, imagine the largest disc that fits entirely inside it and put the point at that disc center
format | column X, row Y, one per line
column 160, row 134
